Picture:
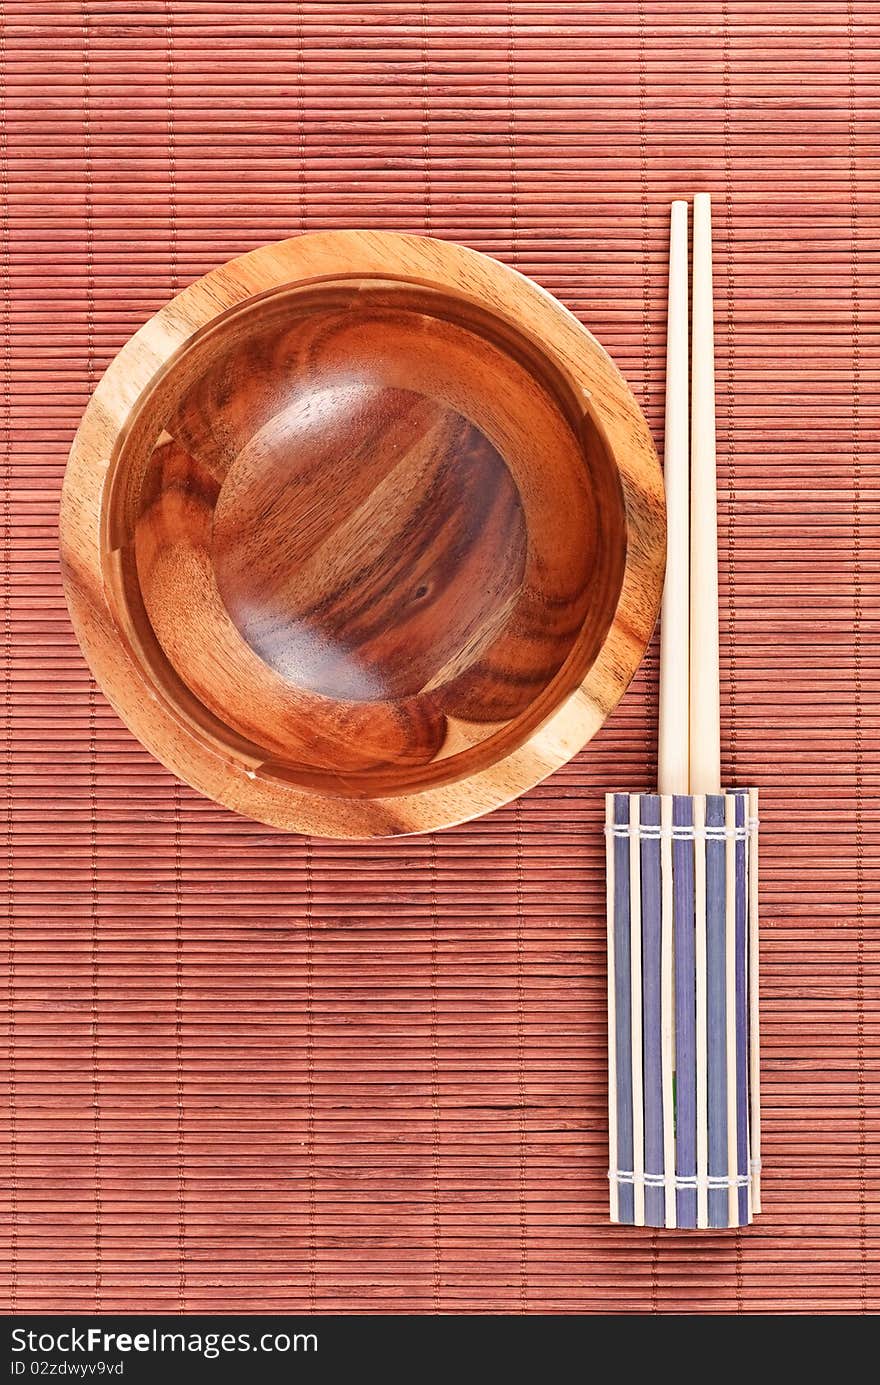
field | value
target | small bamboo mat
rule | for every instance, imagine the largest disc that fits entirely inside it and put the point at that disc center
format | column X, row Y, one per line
column 253, row 1072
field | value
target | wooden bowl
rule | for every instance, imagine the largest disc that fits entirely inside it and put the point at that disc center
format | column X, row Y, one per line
column 363, row 534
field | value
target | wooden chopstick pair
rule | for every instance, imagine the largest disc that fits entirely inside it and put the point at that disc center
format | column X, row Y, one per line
column 689, row 758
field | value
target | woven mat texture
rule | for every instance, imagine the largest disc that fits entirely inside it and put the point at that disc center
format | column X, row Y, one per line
column 255, row 1072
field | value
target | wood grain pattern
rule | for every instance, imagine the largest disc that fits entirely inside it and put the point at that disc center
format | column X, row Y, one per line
column 363, row 534
column 258, row 1071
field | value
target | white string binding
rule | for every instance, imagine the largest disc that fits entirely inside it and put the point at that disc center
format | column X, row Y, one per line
column 678, row 1180
column 648, row 832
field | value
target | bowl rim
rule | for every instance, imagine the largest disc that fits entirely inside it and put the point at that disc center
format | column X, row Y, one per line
column 597, row 383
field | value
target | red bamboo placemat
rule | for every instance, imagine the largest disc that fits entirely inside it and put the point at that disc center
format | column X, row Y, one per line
column 253, row 1072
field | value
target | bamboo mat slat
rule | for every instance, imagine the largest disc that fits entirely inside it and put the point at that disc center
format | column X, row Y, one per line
column 252, row 1072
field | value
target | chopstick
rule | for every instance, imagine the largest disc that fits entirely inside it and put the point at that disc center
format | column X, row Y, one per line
column 689, row 739
column 705, row 700
column 674, row 728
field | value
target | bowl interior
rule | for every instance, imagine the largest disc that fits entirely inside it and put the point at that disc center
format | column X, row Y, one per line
column 364, row 535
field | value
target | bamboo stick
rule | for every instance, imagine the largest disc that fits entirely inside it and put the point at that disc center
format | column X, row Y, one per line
column 754, row 1026
column 613, row 1159
column 635, row 916
column 730, row 997
column 701, row 1046
column 667, row 1005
